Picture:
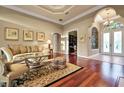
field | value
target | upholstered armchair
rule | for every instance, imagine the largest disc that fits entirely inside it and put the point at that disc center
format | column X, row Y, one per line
column 10, row 71
column 13, row 68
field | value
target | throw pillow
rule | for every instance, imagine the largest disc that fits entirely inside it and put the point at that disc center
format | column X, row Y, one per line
column 23, row 49
column 34, row 48
column 15, row 49
column 29, row 49
column 40, row 48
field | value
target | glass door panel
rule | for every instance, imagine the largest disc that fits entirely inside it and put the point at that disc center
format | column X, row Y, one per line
column 118, row 42
column 113, row 42
column 106, row 42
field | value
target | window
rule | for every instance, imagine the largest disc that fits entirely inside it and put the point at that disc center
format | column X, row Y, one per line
column 113, row 25
column 94, row 38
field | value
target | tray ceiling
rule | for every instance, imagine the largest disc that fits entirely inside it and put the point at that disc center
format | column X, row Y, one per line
column 61, row 14
column 56, row 9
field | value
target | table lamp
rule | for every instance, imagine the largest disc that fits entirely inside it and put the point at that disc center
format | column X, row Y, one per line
column 49, row 43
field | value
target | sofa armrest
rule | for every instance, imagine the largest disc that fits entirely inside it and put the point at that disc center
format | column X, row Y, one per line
column 16, row 69
column 7, row 52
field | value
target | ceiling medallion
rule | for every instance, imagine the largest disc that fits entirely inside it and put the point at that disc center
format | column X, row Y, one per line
column 105, row 14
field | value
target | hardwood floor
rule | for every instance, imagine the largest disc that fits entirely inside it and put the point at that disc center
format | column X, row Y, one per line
column 94, row 73
column 107, row 58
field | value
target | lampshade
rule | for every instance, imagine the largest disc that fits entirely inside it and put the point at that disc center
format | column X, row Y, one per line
column 49, row 41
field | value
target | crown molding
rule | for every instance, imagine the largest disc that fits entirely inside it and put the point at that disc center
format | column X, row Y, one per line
column 51, row 20
column 84, row 14
column 31, row 13
column 49, row 11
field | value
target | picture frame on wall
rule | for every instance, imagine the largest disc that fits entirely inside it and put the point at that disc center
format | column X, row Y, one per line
column 28, row 35
column 11, row 33
column 40, row 36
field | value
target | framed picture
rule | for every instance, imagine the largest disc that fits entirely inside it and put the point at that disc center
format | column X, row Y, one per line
column 11, row 33
column 40, row 36
column 28, row 35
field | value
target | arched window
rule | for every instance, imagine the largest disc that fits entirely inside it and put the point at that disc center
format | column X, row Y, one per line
column 94, row 38
column 113, row 25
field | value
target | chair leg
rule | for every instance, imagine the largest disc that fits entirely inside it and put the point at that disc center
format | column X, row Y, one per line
column 8, row 83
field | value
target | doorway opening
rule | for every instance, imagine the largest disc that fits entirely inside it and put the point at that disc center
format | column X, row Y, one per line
column 111, row 35
column 56, row 42
column 73, row 42
column 112, row 42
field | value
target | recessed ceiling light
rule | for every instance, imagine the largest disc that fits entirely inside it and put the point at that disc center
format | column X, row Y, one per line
column 107, row 9
column 66, row 13
column 60, row 19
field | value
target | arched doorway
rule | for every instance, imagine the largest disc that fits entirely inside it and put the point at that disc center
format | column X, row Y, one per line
column 112, row 32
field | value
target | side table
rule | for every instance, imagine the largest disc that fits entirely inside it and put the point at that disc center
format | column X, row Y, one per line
column 51, row 53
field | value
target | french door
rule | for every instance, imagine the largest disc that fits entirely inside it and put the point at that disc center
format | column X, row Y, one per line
column 112, row 42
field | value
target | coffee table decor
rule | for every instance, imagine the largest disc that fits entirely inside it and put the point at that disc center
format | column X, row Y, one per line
column 45, row 76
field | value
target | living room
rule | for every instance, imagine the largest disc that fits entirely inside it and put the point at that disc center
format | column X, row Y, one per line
column 38, row 48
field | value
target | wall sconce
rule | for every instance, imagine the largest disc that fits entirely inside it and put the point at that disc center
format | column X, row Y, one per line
column 82, row 38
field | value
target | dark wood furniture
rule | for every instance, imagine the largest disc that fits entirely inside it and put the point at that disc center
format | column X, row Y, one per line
column 51, row 53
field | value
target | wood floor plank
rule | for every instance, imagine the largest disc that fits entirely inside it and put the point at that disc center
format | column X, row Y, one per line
column 94, row 74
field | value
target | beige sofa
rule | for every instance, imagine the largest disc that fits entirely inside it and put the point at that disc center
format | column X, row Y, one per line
column 13, row 53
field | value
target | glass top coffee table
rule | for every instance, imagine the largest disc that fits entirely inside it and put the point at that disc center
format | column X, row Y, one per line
column 35, row 61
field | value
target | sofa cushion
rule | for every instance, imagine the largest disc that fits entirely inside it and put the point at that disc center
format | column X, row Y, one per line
column 15, row 49
column 46, row 52
column 28, row 49
column 34, row 48
column 16, row 70
column 17, row 67
column 7, row 53
column 22, row 56
column 23, row 49
column 40, row 48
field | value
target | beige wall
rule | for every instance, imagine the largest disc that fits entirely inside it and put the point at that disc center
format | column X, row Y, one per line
column 13, row 19
column 10, row 18
column 90, row 50
column 82, row 26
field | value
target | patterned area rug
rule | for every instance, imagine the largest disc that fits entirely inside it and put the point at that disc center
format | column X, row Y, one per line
column 45, row 76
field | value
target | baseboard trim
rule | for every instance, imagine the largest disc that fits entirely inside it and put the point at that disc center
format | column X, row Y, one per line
column 83, row 56
column 94, row 55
